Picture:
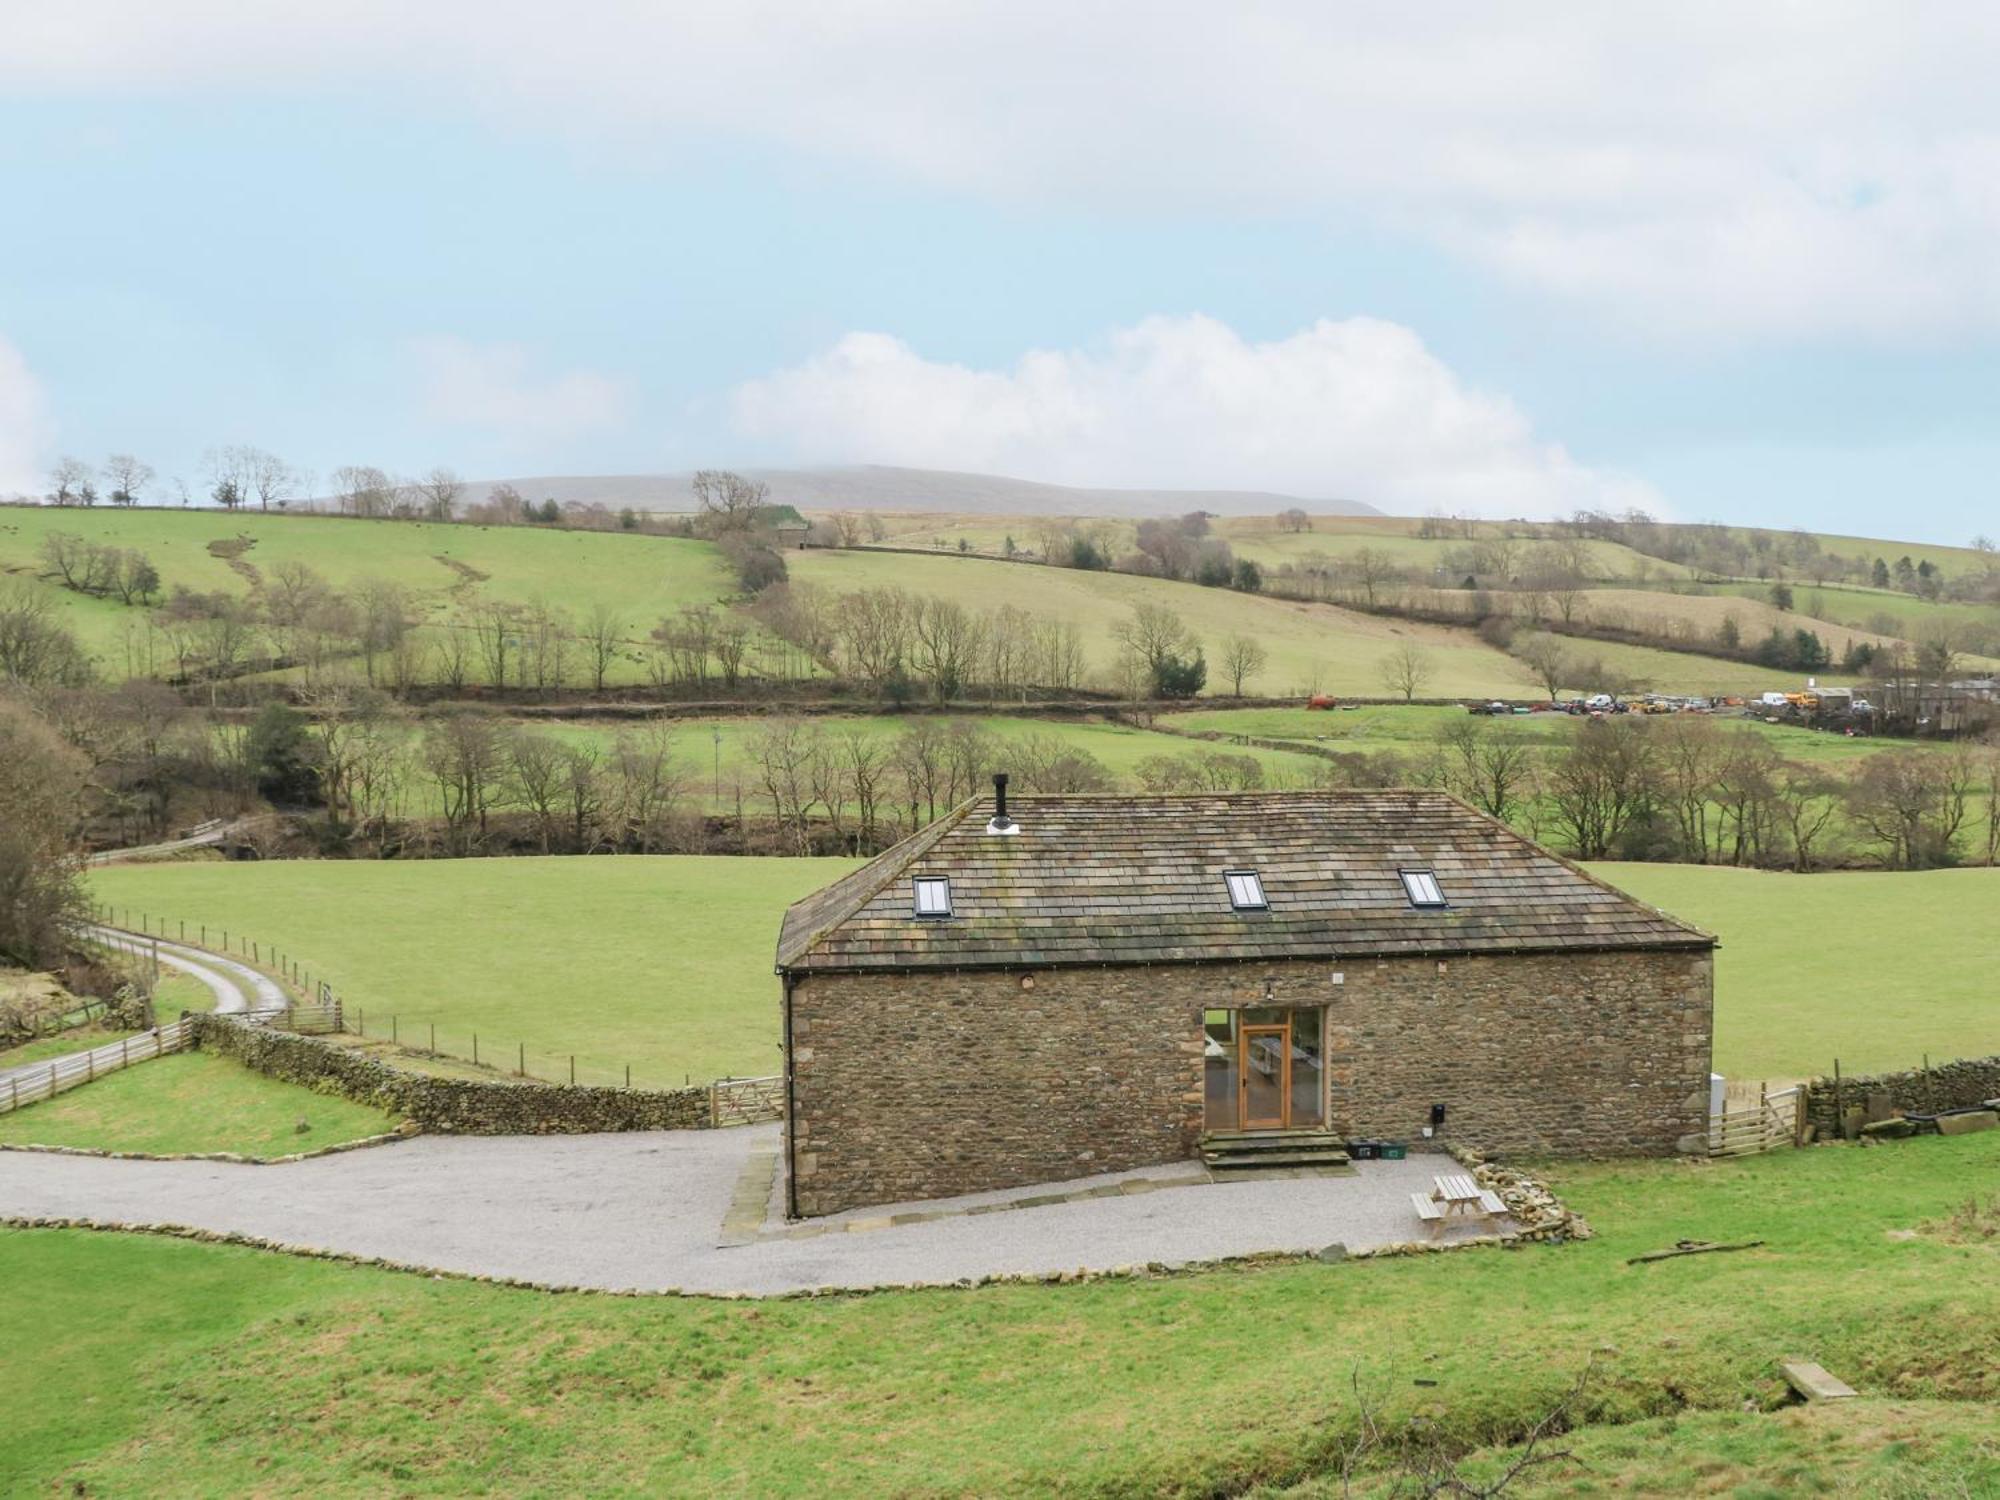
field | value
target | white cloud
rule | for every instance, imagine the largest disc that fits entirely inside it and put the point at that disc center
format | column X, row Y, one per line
column 1357, row 410
column 1698, row 169
column 495, row 386
column 23, row 425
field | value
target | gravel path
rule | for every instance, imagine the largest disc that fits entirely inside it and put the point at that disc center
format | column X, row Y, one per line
column 238, row 988
column 645, row 1212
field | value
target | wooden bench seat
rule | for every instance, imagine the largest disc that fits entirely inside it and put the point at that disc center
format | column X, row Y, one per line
column 1430, row 1212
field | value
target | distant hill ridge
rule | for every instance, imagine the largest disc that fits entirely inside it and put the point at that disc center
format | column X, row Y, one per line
column 879, row 487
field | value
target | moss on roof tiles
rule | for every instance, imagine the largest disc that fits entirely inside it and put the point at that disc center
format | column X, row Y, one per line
column 1139, row 879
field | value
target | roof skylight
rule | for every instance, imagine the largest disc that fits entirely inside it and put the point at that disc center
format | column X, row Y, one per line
column 931, row 895
column 1422, row 888
column 1246, row 890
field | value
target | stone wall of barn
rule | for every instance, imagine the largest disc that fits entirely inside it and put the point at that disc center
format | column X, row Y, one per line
column 917, row 1084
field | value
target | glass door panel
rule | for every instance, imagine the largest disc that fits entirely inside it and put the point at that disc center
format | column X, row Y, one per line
column 1308, row 1068
column 1266, row 1071
column 1220, row 1069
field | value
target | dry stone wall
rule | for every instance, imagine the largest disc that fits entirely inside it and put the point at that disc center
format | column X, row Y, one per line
column 1916, row 1091
column 924, row 1084
column 458, row 1105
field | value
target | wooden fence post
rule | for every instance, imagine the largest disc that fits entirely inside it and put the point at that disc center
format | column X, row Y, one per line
column 1839, row 1114
column 475, row 1049
column 434, row 1037
column 572, row 1070
column 523, row 1068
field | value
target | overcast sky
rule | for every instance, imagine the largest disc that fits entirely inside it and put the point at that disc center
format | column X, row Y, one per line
column 1731, row 261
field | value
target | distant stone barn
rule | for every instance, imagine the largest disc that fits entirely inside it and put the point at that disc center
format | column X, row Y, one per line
column 1086, row 984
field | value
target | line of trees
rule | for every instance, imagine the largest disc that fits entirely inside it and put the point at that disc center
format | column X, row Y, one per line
column 1688, row 789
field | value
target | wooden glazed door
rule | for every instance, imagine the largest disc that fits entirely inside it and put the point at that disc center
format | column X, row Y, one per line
column 1264, row 1070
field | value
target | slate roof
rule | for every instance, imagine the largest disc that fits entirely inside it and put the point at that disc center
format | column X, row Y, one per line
column 1130, row 879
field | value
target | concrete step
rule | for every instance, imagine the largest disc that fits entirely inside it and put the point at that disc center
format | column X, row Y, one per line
column 1271, row 1140
column 1261, row 1161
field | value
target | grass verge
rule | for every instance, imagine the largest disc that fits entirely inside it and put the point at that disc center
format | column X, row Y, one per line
column 192, row 1102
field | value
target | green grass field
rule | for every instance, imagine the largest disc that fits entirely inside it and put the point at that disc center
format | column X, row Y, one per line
column 662, row 963
column 719, row 754
column 1873, row 968
column 665, row 962
column 189, row 1369
column 1416, row 726
column 189, row 1102
column 1313, row 647
column 642, row 577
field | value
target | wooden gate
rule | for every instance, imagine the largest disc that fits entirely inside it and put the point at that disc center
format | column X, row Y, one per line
column 1768, row 1123
column 746, row 1101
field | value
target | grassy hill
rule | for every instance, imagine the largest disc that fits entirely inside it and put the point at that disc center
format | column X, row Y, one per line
column 642, row 577
column 447, row 569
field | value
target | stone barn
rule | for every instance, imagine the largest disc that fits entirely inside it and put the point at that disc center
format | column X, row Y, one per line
column 1083, row 984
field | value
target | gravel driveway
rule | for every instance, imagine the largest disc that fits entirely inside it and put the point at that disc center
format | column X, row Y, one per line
column 645, row 1212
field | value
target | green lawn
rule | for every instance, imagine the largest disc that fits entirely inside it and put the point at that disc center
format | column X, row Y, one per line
column 189, row 1369
column 662, row 963
column 1875, row 969
column 192, row 1101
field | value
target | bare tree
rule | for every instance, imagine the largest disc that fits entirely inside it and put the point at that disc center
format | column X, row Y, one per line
column 228, row 476
column 1157, row 638
column 382, row 624
column 1548, row 658
column 1295, row 520
column 128, row 478
column 462, row 754
column 1370, row 570
column 1406, row 670
column 786, row 753
column 362, row 490
column 648, row 784
column 603, row 632
column 945, row 640
column 728, row 501
column 36, row 648
column 439, row 491
column 1482, row 767
column 266, row 476
column 70, row 482
column 732, row 641
column 41, row 807
column 537, row 779
column 1243, row 657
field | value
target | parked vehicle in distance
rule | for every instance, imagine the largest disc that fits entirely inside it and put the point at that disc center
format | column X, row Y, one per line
column 1601, row 703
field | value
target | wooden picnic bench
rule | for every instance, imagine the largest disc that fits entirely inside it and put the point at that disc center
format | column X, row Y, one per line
column 1454, row 1197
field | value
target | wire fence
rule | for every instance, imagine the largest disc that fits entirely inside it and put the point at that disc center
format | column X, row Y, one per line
column 451, row 1046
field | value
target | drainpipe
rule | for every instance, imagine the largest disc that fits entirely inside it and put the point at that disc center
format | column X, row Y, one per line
column 791, row 1161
